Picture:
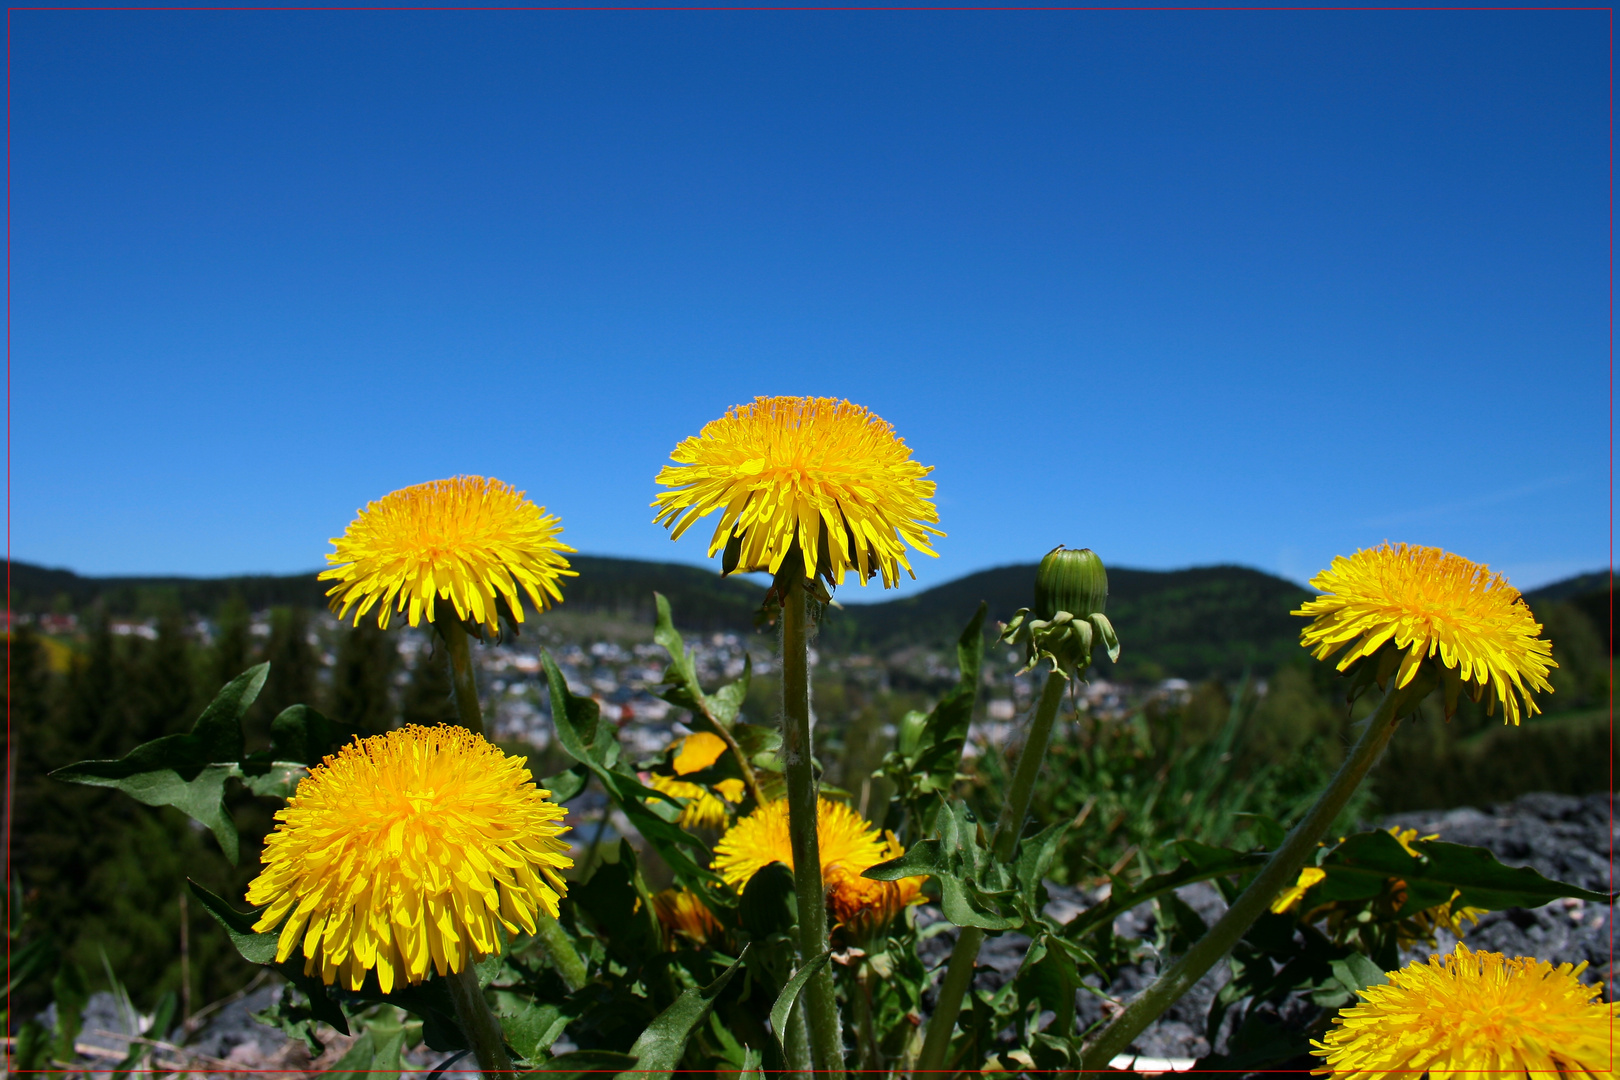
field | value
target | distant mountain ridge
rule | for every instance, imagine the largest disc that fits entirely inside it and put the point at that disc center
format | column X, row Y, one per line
column 1207, row 621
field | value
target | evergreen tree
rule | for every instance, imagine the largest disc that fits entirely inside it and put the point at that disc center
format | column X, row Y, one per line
column 163, row 691
column 363, row 678
column 232, row 648
column 294, row 665
column 427, row 695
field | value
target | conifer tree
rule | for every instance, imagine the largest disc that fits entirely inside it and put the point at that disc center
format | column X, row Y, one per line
column 232, row 647
column 427, row 695
column 294, row 666
column 363, row 678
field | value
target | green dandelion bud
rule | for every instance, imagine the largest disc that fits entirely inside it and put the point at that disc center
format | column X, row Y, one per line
column 1071, row 589
column 1072, row 580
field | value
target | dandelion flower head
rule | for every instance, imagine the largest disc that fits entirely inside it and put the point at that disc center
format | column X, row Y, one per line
column 824, row 476
column 703, row 808
column 1431, row 603
column 467, row 539
column 1472, row 1014
column 409, row 851
column 684, row 915
column 697, row 752
column 849, row 845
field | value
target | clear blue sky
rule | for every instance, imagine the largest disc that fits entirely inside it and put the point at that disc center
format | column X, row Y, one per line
column 1184, row 288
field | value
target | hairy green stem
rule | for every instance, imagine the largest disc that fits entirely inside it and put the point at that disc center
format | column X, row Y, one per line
column 1279, row 872
column 798, row 1045
column 959, row 973
column 478, row 1022
column 464, row 690
column 463, row 681
column 820, row 999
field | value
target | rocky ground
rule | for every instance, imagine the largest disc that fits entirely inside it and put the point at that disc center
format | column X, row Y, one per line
column 1565, row 838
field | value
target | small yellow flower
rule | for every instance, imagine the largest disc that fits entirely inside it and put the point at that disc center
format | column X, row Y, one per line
column 1431, row 603
column 466, row 539
column 863, row 906
column 1404, row 837
column 1472, row 1014
column 849, row 845
column 1290, row 897
column 731, row 790
column 702, row 809
column 817, row 474
column 697, row 752
column 409, row 851
column 682, row 914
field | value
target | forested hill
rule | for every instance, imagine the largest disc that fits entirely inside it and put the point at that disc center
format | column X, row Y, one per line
column 1197, row 623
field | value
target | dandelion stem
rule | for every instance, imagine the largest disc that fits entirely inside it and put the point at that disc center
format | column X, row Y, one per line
column 820, row 1000
column 959, row 973
column 463, row 681
column 483, row 1031
column 464, row 690
column 1278, row 873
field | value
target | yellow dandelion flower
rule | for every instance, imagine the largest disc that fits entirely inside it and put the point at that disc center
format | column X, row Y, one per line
column 1290, row 897
column 1404, row 837
column 698, row 751
column 849, row 845
column 822, row 475
column 465, row 539
column 863, row 906
column 1472, row 1014
column 731, row 790
column 1429, row 603
column 684, row 915
column 702, row 809
column 408, row 851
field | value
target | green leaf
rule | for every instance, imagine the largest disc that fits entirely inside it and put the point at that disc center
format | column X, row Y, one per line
column 300, row 733
column 596, row 1064
column 1360, row 867
column 1201, row 862
column 566, row 784
column 923, row 857
column 373, row 1056
column 260, row 948
column 594, row 743
column 659, row 1048
column 72, row 993
column 532, row 1026
column 770, row 904
column 32, row 959
column 186, row 771
column 716, row 711
column 790, row 996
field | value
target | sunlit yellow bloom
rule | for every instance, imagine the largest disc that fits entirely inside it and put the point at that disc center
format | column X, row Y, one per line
column 408, row 851
column 863, row 906
column 819, row 474
column 849, row 845
column 731, row 790
column 465, row 539
column 702, row 809
column 698, row 751
column 1473, row 1015
column 761, row 838
column 1290, row 897
column 1431, row 603
column 683, row 914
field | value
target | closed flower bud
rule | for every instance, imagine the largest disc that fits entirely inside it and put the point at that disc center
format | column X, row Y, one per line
column 1071, row 580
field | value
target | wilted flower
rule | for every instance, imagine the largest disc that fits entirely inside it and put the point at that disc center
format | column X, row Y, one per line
column 1472, row 1014
column 404, row 851
column 1431, row 604
column 819, row 475
column 467, row 539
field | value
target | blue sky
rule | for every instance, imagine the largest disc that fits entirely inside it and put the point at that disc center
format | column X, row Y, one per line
column 1182, row 287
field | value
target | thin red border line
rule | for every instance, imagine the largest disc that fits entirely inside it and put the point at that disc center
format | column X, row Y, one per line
column 807, row 8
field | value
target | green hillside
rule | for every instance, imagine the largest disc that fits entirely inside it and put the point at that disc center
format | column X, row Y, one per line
column 1205, row 622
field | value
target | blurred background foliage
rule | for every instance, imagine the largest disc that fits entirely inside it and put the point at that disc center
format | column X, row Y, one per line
column 1212, row 713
